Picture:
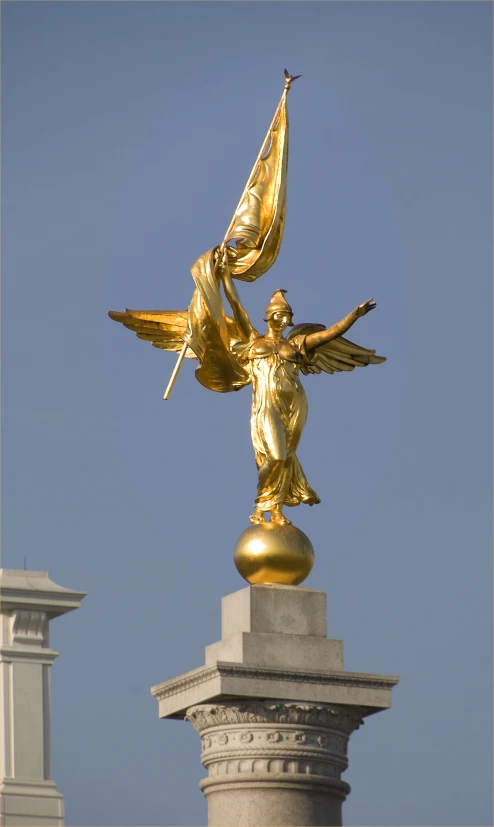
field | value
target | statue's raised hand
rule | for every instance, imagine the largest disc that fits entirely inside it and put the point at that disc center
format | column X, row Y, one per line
column 221, row 262
column 364, row 308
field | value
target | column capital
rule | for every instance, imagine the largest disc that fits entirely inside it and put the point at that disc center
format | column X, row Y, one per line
column 279, row 757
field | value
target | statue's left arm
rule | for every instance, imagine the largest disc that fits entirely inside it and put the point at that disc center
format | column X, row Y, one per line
column 315, row 340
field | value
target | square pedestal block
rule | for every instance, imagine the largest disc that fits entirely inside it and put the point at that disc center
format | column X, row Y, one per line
column 274, row 645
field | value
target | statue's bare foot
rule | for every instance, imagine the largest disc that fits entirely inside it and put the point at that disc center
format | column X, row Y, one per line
column 257, row 517
column 278, row 518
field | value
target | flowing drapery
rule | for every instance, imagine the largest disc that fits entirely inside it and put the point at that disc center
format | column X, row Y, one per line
column 251, row 245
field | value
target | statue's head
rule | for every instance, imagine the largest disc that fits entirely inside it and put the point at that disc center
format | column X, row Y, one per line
column 278, row 312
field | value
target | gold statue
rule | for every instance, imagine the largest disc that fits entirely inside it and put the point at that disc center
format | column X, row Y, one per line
column 232, row 353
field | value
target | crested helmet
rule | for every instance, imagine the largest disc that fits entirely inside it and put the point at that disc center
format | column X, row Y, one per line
column 278, row 304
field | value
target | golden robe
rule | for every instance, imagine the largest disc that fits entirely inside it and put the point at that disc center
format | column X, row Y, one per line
column 279, row 412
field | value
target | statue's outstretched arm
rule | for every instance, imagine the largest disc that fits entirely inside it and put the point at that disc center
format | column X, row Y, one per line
column 315, row 340
column 239, row 313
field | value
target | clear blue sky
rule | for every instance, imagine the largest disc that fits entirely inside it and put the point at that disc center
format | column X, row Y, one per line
column 128, row 132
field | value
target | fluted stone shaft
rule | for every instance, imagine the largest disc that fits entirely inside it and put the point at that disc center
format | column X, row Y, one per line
column 274, row 763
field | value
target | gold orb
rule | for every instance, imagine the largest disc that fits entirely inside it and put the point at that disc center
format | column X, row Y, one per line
column 269, row 553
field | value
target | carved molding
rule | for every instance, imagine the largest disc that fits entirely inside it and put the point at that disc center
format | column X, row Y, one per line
column 29, row 627
column 276, row 766
column 300, row 782
column 182, row 684
column 188, row 681
column 205, row 716
column 260, row 741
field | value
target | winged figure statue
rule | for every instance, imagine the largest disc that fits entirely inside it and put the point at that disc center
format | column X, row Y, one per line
column 233, row 354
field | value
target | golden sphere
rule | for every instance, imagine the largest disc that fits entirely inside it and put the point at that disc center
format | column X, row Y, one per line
column 269, row 553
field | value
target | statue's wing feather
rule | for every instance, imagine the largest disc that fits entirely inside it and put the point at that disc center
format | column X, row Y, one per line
column 340, row 354
column 335, row 356
column 163, row 328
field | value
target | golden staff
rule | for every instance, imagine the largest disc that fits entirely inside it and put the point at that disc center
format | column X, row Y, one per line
column 176, row 369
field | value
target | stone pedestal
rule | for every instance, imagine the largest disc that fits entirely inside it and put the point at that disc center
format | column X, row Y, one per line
column 275, row 709
column 28, row 601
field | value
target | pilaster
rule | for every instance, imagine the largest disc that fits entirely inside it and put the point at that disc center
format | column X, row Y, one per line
column 28, row 601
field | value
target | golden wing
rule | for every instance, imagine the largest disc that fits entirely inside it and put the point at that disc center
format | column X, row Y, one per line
column 165, row 329
column 335, row 356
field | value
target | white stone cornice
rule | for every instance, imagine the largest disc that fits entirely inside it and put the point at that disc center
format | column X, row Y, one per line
column 21, row 589
column 233, row 679
column 204, row 674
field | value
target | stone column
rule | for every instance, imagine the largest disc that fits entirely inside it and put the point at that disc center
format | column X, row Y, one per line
column 274, row 763
column 275, row 709
column 29, row 600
